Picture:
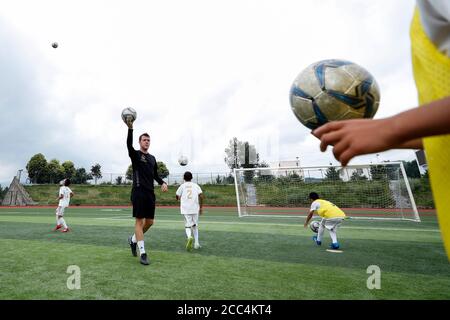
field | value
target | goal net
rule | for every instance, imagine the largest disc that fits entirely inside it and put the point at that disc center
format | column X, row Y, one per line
column 375, row 191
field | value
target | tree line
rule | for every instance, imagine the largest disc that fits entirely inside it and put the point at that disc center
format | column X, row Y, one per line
column 41, row 171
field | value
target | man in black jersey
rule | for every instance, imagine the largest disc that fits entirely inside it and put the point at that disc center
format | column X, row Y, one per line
column 142, row 195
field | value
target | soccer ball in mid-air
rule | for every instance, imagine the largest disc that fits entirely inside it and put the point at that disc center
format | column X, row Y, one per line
column 331, row 90
column 314, row 225
column 129, row 113
column 55, row 45
column 182, row 160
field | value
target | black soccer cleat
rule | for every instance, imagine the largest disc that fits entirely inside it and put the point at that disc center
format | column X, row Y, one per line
column 133, row 247
column 144, row 259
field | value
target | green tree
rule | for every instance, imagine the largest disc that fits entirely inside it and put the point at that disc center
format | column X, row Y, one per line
column 378, row 172
column 55, row 171
column 129, row 174
column 232, row 154
column 229, row 179
column 357, row 175
column 3, row 192
column 81, row 176
column 119, row 180
column 69, row 169
column 163, row 172
column 332, row 174
column 96, row 172
column 37, row 169
column 412, row 169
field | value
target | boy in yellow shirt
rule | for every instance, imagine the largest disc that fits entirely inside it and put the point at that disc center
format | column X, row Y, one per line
column 426, row 127
column 331, row 215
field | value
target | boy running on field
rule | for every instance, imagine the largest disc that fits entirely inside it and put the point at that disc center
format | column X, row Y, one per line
column 191, row 202
column 64, row 199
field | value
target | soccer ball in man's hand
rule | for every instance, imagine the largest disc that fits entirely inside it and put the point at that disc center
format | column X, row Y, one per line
column 331, row 90
column 129, row 114
column 314, row 225
column 183, row 161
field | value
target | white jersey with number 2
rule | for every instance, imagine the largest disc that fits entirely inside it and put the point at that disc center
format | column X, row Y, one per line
column 188, row 193
column 65, row 192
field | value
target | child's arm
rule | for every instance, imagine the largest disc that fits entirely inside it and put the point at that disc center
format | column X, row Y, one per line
column 308, row 218
column 362, row 136
column 200, row 201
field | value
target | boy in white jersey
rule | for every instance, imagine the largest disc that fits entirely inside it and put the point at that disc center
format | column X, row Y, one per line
column 64, row 199
column 332, row 216
column 191, row 202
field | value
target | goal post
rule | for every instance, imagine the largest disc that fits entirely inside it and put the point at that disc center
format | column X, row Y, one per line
column 372, row 191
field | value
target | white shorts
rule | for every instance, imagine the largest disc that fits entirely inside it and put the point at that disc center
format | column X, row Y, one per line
column 190, row 220
column 60, row 211
column 332, row 223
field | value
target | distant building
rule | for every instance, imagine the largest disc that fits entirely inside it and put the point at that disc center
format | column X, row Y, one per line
column 291, row 164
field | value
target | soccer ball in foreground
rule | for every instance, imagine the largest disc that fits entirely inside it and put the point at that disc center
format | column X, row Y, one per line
column 183, row 161
column 128, row 112
column 55, row 45
column 314, row 225
column 331, row 90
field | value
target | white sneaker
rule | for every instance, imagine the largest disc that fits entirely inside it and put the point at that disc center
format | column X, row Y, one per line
column 189, row 243
column 197, row 246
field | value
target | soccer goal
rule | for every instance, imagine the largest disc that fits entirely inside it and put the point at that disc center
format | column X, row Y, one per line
column 374, row 191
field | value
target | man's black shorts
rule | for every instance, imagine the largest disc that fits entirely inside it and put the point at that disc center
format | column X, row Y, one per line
column 143, row 203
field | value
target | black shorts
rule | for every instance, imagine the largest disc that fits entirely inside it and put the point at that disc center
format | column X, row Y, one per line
column 144, row 202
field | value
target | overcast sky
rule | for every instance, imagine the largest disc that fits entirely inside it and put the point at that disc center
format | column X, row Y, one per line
column 197, row 72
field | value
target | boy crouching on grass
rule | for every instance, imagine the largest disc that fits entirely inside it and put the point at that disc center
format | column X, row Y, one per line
column 332, row 217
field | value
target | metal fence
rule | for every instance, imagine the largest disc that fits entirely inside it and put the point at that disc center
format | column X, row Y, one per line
column 172, row 179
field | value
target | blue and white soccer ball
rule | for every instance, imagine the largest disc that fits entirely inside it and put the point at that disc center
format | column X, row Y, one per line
column 331, row 90
column 314, row 226
column 129, row 113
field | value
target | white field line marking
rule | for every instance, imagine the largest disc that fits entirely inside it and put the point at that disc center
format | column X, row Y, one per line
column 278, row 224
column 9, row 212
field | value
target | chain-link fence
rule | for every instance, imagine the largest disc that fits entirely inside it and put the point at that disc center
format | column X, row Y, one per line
column 172, row 179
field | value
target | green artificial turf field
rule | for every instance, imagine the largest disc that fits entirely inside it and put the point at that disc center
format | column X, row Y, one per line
column 241, row 258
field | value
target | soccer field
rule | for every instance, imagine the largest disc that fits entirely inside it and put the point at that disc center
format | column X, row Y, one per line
column 241, row 258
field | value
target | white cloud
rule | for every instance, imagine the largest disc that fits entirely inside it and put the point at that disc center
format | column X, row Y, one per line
column 197, row 72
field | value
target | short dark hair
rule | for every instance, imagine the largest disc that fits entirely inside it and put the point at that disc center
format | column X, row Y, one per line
column 143, row 135
column 67, row 182
column 314, row 196
column 187, row 176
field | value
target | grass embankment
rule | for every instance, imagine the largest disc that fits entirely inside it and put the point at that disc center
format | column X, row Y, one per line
column 102, row 195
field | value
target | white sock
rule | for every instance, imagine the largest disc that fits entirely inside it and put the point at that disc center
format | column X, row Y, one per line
column 195, row 231
column 188, row 232
column 133, row 238
column 320, row 232
column 141, row 246
column 63, row 222
column 333, row 236
column 58, row 221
